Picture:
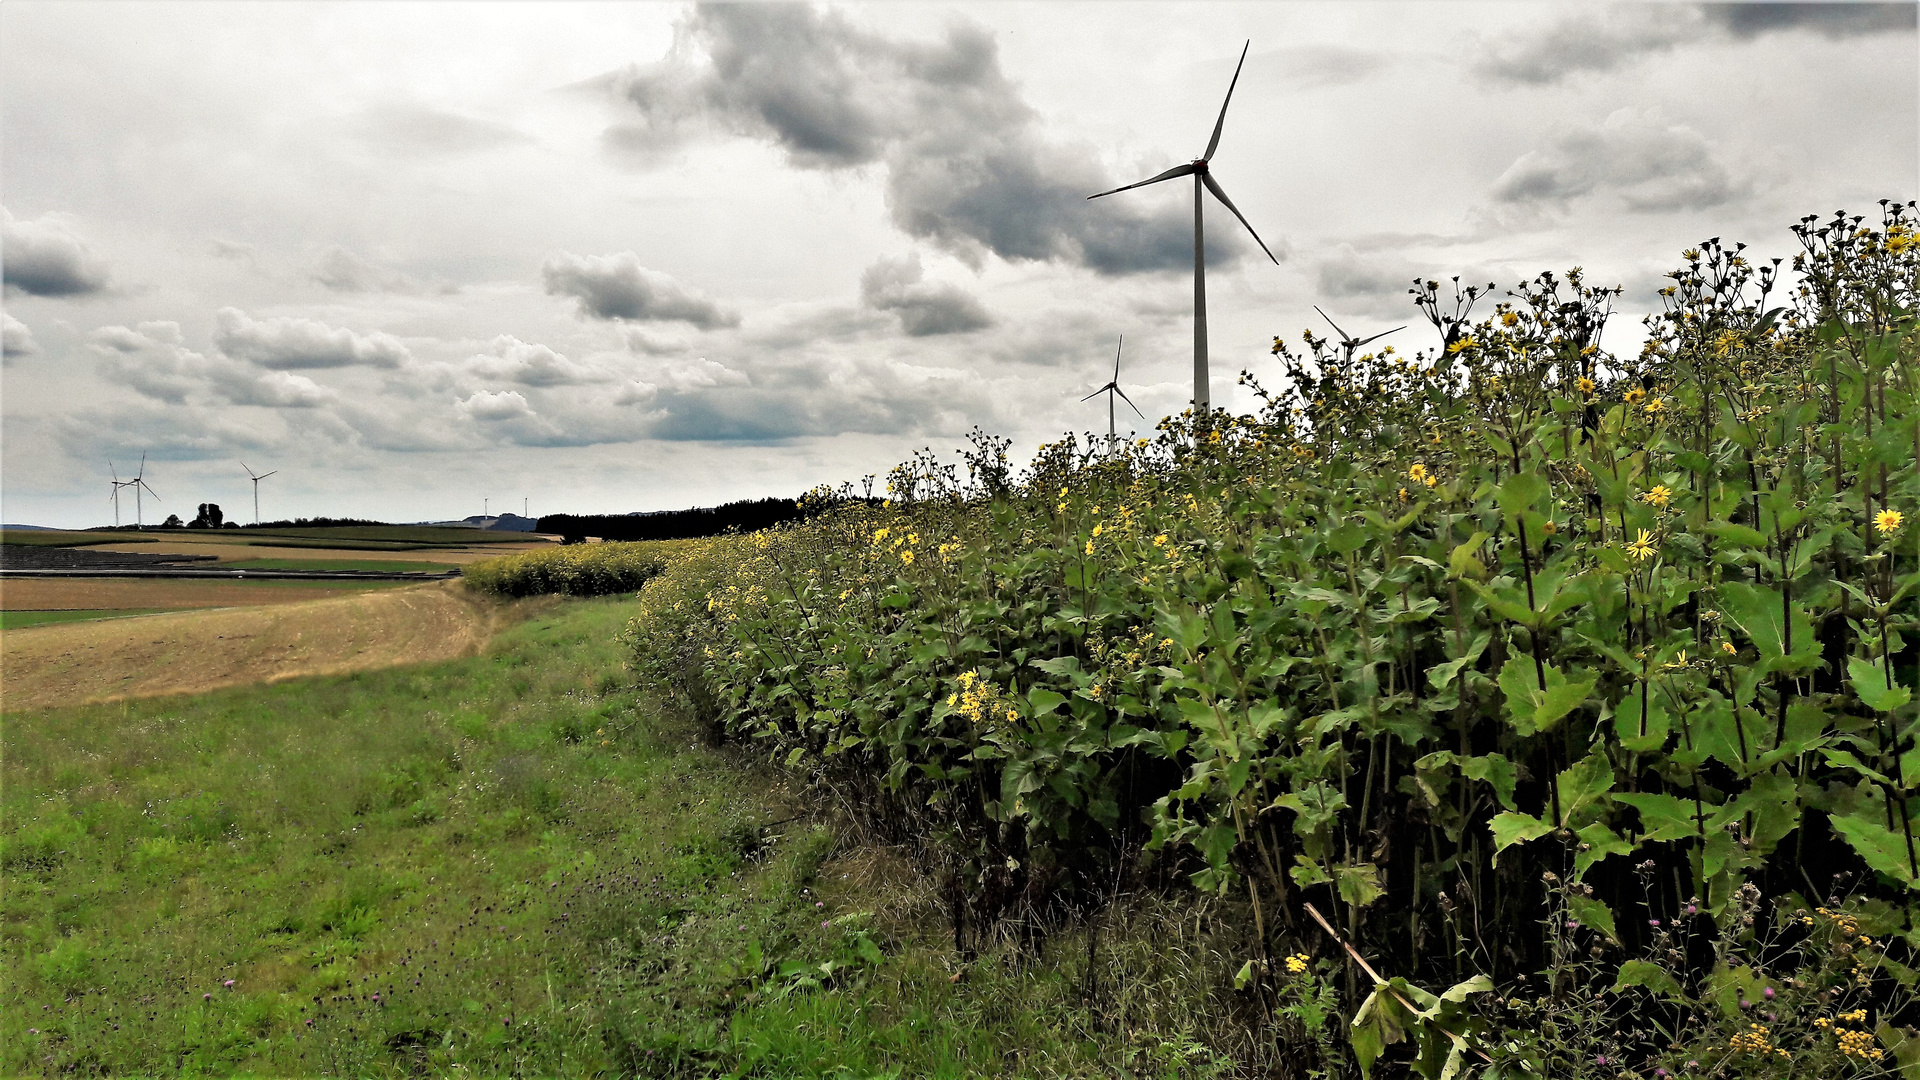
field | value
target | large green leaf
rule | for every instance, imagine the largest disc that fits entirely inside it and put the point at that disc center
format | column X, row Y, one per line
column 1763, row 616
column 1581, row 785
column 1510, row 828
column 1648, row 976
column 1870, row 683
column 1883, row 849
column 1593, row 914
column 1532, row 707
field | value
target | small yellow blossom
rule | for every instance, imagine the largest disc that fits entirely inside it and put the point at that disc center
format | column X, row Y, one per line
column 1160, row 541
column 1635, row 396
column 1656, row 407
column 1550, row 528
column 1642, row 546
column 1888, row 521
column 1727, row 647
column 1417, row 471
column 1658, row 495
column 1585, row 384
column 1297, row 964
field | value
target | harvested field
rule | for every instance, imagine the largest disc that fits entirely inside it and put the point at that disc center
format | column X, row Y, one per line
column 191, row 652
column 242, row 552
column 87, row 594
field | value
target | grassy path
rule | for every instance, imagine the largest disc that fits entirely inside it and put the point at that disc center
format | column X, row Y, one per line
column 490, row 866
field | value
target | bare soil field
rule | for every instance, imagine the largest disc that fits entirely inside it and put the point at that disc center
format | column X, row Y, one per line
column 86, row 594
column 195, row 651
column 457, row 556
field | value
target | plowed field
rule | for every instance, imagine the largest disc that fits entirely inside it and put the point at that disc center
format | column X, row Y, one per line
column 83, row 594
column 194, row 651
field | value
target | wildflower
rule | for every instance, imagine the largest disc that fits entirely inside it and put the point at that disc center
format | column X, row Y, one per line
column 1432, row 479
column 1656, row 407
column 1417, row 471
column 1888, row 521
column 1508, row 318
column 1585, row 384
column 1097, row 529
column 1727, row 647
column 1550, row 528
column 1089, row 547
column 1160, row 541
column 1635, row 396
column 1297, row 964
column 1679, row 661
column 1642, row 546
column 1658, row 495
column 906, row 557
column 1462, row 345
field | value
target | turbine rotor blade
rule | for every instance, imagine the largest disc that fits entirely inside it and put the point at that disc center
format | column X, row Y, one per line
column 1116, row 359
column 1129, row 401
column 1100, row 391
column 1378, row 336
column 1214, row 143
column 1207, row 179
column 1344, row 336
column 264, row 475
column 1178, row 170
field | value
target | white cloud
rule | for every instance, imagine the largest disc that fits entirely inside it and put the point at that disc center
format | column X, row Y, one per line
column 1649, row 164
column 496, row 405
column 617, row 287
column 16, row 338
column 294, row 343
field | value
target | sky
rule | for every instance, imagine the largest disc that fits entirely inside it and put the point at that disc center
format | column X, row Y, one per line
column 425, row 259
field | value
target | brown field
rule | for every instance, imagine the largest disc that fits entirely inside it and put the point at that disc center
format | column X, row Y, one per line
column 458, row 556
column 196, row 651
column 87, row 594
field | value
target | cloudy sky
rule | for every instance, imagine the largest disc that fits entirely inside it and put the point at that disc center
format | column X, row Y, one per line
column 611, row 257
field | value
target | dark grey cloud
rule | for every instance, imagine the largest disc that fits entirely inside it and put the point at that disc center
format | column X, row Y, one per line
column 16, row 338
column 294, row 343
column 617, row 287
column 42, row 258
column 417, row 130
column 1605, row 37
column 966, row 166
column 1649, row 164
column 343, row 271
column 1830, row 19
column 925, row 308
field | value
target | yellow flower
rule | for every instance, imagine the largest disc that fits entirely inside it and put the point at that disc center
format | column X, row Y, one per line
column 1658, row 495
column 1097, row 529
column 1656, row 406
column 1089, row 547
column 1432, row 479
column 1462, row 345
column 1508, row 318
column 1635, row 396
column 1550, row 528
column 1403, row 494
column 1888, row 521
column 1418, row 470
column 906, row 557
column 1642, row 546
column 1585, row 384
column 1297, row 964
column 1727, row 647
column 1160, row 541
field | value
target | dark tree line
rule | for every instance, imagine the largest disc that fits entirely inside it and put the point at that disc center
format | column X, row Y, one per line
column 747, row 515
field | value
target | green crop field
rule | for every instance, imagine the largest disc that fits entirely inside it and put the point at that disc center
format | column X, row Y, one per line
column 15, row 620
column 59, row 538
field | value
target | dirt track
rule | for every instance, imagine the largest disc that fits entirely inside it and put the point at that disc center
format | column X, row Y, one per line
column 194, row 651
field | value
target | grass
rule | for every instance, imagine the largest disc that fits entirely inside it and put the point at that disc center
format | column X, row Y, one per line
column 15, row 620
column 394, row 566
column 60, row 538
column 505, row 864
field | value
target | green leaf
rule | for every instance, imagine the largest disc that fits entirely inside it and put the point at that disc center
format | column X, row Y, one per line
column 1582, row 784
column 1594, row 914
column 1534, row 708
column 1464, row 563
column 1882, row 848
column 1650, row 977
column 1510, row 828
column 1641, row 731
column 1495, row 771
column 1663, row 817
column 1737, row 535
column 1520, row 492
column 1044, row 700
column 1762, row 615
column 1359, row 883
column 1596, row 843
column 1870, row 683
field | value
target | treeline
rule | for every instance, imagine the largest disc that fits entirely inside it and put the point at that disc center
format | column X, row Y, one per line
column 747, row 515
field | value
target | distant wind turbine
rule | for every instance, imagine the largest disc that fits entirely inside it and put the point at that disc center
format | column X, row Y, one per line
column 117, row 485
column 140, row 481
column 1348, row 343
column 1198, row 168
column 1111, row 389
column 256, row 478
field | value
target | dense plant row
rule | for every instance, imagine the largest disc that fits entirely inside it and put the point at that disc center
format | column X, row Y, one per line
column 574, row 570
column 1499, row 655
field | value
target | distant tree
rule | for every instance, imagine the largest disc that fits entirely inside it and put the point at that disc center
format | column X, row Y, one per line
column 210, row 517
column 172, row 522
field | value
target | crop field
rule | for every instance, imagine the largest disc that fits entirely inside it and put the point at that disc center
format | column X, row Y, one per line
column 84, row 594
column 226, row 549
column 194, row 651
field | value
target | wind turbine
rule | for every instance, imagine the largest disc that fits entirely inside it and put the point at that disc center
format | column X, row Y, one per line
column 1348, row 343
column 256, row 478
column 117, row 484
column 140, row 481
column 1111, row 389
column 1199, row 169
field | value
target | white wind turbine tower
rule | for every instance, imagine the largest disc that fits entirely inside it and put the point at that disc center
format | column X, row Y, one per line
column 256, row 478
column 1198, row 168
column 140, row 481
column 117, row 484
column 1348, row 343
column 1110, row 390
